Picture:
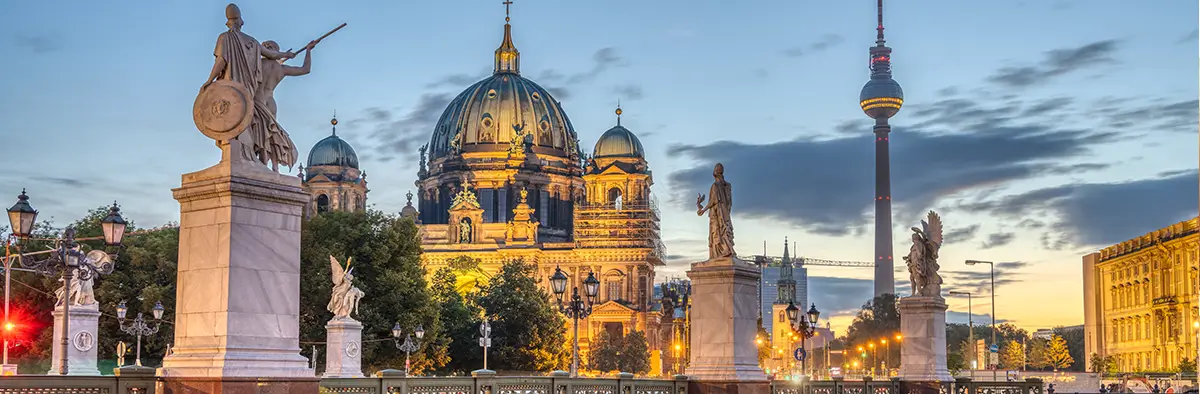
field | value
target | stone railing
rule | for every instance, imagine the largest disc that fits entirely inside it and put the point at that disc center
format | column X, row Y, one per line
column 895, row 386
column 390, row 382
column 128, row 380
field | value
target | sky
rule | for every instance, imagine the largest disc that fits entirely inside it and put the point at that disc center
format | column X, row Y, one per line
column 1039, row 130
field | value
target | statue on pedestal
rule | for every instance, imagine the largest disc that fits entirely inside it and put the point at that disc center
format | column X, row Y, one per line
column 345, row 296
column 922, row 257
column 720, row 225
column 82, row 287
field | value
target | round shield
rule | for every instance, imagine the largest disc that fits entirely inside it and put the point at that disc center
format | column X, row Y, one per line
column 223, row 110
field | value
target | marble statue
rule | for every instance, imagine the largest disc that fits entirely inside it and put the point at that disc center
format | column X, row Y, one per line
column 720, row 225
column 82, row 286
column 256, row 69
column 617, row 202
column 922, row 257
column 345, row 296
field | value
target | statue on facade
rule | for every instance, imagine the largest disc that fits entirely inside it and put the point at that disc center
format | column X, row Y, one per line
column 422, row 167
column 236, row 104
column 345, row 296
column 720, row 224
column 922, row 257
column 464, row 231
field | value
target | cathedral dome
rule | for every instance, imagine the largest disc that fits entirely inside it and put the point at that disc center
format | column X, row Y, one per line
column 618, row 142
column 487, row 116
column 333, row 151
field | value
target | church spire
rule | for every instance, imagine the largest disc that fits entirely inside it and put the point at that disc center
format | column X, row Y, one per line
column 508, row 59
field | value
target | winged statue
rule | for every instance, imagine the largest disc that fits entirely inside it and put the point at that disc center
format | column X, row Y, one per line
column 922, row 257
column 345, row 296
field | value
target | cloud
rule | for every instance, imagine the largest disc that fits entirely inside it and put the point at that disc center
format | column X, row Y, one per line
column 996, row 240
column 1158, row 114
column 977, row 279
column 460, row 80
column 603, row 60
column 839, row 295
column 1189, row 38
column 823, row 43
column 629, row 92
column 1056, row 63
column 960, row 234
column 1098, row 214
column 37, row 44
column 399, row 136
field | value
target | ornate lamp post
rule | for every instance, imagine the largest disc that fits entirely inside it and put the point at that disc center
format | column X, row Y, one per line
column 805, row 326
column 576, row 308
column 485, row 339
column 139, row 327
column 66, row 258
column 409, row 345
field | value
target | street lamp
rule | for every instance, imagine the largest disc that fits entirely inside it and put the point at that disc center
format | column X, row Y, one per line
column 66, row 258
column 575, row 308
column 992, row 268
column 409, row 345
column 485, row 339
column 139, row 326
column 805, row 326
column 887, row 353
column 970, row 324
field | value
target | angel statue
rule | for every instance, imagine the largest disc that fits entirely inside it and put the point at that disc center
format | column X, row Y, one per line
column 345, row 296
column 82, row 287
column 922, row 258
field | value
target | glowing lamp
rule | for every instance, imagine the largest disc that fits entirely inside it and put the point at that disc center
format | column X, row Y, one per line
column 158, row 310
column 420, row 332
column 21, row 216
column 113, row 226
column 591, row 286
column 558, row 282
column 122, row 310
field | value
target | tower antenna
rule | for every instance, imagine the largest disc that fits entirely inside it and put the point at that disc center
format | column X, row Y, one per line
column 879, row 15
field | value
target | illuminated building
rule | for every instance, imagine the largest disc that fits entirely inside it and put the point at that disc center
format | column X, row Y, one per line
column 769, row 285
column 332, row 177
column 1139, row 299
column 880, row 99
column 506, row 179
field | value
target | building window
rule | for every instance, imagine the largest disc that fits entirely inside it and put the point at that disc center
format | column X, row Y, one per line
column 322, row 203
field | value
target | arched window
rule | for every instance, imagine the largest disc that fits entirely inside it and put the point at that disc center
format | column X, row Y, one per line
column 322, row 203
column 613, row 283
column 613, row 194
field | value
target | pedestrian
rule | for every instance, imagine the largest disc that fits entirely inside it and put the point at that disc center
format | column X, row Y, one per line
column 1050, row 389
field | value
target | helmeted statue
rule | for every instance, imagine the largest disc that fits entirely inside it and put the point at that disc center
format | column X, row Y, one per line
column 922, row 257
column 720, row 225
column 345, row 296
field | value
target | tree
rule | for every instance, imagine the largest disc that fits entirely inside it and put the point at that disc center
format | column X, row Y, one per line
column 1038, row 353
column 1013, row 356
column 879, row 318
column 635, row 354
column 762, row 340
column 605, row 354
column 1074, row 338
column 385, row 253
column 955, row 362
column 1057, row 354
column 460, row 318
column 527, row 333
column 1187, row 365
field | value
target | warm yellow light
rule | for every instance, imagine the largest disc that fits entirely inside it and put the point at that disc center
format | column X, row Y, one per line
column 758, row 341
column 898, row 337
column 856, row 364
column 678, row 346
column 860, row 348
column 8, row 326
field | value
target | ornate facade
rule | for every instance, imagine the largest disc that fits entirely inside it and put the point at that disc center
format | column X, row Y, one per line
column 332, row 178
column 505, row 179
column 1140, row 299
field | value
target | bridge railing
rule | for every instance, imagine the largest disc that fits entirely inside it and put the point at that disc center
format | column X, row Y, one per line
column 895, row 386
column 388, row 383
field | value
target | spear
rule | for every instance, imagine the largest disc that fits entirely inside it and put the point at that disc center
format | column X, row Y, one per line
column 316, row 41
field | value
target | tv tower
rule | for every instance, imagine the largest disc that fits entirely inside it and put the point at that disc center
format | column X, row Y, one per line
column 880, row 99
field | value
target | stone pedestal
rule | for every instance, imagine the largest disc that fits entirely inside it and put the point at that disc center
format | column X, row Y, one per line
column 238, row 288
column 724, row 324
column 923, row 350
column 343, row 349
column 82, row 341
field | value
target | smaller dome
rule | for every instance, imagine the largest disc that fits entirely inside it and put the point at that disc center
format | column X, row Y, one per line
column 618, row 142
column 333, row 151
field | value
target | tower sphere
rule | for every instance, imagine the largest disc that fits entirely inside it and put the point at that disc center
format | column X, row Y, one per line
column 881, row 97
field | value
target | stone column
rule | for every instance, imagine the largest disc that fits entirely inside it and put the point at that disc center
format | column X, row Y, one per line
column 724, row 357
column 923, row 350
column 82, row 341
column 238, row 288
column 343, row 349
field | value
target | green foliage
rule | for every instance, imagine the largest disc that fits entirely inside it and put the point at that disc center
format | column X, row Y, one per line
column 1103, row 364
column 763, row 341
column 1012, row 356
column 527, row 332
column 1187, row 365
column 387, row 267
column 955, row 362
column 1038, row 353
column 879, row 318
column 630, row 353
column 1057, row 353
column 1074, row 340
column 460, row 318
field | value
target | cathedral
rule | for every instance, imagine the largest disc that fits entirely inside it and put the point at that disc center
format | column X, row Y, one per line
column 503, row 178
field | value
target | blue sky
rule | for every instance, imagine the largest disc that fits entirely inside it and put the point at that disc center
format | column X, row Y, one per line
column 1039, row 129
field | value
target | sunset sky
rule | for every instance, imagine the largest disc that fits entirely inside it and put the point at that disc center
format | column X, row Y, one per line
column 1039, row 130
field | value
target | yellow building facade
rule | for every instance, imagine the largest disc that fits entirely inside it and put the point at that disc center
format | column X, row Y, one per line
column 504, row 178
column 1140, row 299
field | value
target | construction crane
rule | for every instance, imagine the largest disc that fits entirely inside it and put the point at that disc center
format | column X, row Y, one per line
column 803, row 261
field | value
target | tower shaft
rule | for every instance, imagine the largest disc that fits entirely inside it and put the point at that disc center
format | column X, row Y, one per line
column 885, row 277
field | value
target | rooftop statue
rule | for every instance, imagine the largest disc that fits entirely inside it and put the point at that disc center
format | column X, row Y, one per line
column 720, row 225
column 922, row 257
column 345, row 296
